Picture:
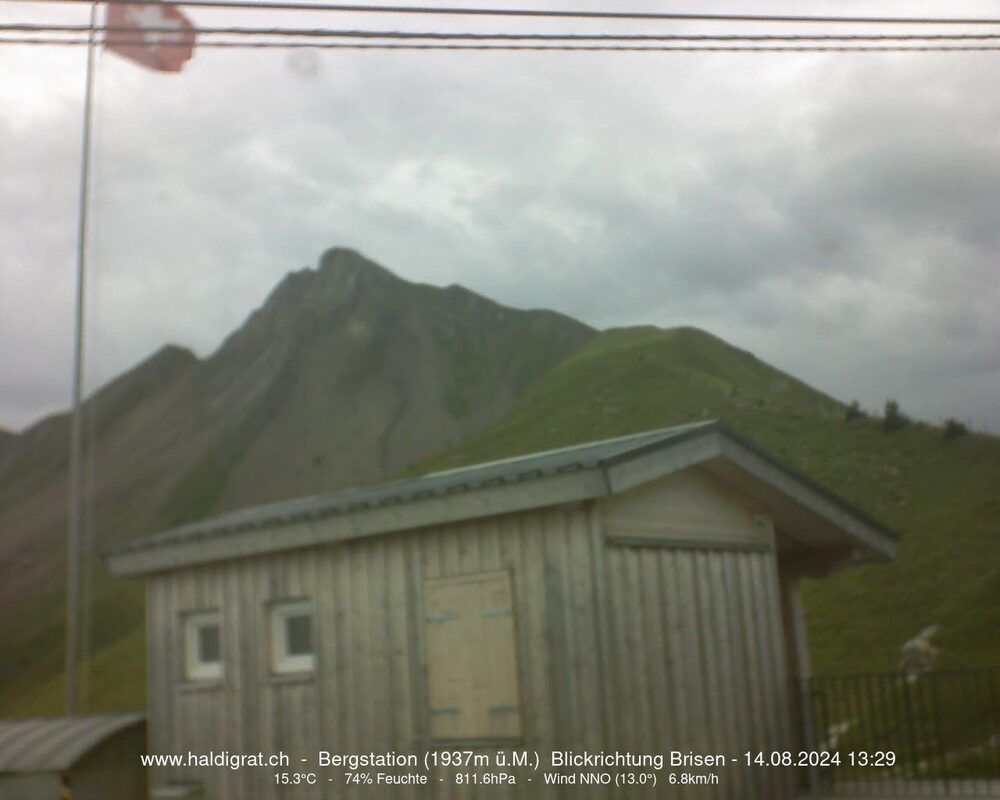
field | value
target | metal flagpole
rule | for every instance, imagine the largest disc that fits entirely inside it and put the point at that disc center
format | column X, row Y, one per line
column 75, row 510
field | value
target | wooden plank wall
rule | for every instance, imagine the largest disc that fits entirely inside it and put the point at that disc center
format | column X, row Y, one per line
column 698, row 661
column 370, row 690
column 629, row 648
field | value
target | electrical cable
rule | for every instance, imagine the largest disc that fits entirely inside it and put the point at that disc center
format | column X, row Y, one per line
column 474, row 36
column 327, row 45
column 273, row 5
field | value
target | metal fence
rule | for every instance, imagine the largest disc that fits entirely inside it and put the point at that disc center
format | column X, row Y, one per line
column 934, row 735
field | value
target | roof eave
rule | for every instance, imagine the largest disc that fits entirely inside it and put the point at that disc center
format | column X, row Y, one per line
column 487, row 501
column 612, row 475
column 871, row 540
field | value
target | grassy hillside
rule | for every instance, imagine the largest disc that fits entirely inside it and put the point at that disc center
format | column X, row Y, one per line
column 942, row 495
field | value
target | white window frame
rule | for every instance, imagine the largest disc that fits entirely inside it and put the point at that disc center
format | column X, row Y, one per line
column 194, row 668
column 283, row 662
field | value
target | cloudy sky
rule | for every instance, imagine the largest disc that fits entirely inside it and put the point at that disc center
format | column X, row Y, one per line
column 838, row 215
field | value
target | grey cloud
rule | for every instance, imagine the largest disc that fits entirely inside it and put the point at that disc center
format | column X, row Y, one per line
column 836, row 216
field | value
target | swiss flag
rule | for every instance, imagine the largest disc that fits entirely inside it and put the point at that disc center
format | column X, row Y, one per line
column 156, row 35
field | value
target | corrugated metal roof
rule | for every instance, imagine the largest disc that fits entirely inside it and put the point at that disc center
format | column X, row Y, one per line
column 603, row 453
column 54, row 744
column 492, row 473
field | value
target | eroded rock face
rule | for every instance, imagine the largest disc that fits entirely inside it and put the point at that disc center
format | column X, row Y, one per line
column 345, row 375
column 360, row 373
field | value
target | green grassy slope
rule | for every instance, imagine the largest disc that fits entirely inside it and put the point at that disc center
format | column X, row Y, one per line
column 942, row 495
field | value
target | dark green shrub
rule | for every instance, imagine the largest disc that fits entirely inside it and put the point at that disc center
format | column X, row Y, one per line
column 894, row 418
column 953, row 428
column 854, row 412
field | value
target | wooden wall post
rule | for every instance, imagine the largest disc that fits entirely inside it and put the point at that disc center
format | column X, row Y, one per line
column 799, row 667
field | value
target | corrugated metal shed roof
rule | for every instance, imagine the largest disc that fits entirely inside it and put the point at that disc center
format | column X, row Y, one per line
column 54, row 744
column 603, row 454
column 492, row 473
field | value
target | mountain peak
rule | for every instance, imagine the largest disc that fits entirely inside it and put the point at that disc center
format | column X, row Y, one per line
column 341, row 262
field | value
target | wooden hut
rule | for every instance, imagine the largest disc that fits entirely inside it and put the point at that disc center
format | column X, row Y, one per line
column 635, row 595
column 93, row 757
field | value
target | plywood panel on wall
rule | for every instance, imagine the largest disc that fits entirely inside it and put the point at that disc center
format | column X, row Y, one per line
column 472, row 658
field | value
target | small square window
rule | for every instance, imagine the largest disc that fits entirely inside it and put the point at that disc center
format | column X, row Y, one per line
column 292, row 648
column 203, row 646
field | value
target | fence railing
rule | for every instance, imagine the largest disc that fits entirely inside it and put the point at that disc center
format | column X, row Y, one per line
column 935, row 734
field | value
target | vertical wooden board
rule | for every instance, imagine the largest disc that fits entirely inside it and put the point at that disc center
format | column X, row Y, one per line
column 708, row 635
column 585, row 656
column 637, row 683
column 391, row 650
column 451, row 548
column 269, row 740
column 281, row 576
column 163, row 678
column 174, row 661
column 636, row 618
column 749, row 657
column 752, row 706
column 336, row 648
column 284, row 709
column 188, row 600
column 619, row 677
column 772, row 733
column 489, row 547
column 306, row 698
column 156, row 651
column 207, row 710
column 379, row 697
column 763, row 610
column 615, row 647
column 586, row 653
column 509, row 545
column 399, row 655
column 531, row 587
column 433, row 562
column 778, row 649
column 540, row 727
column 598, row 551
column 413, row 560
column 694, row 672
column 223, row 580
column 679, row 710
column 657, row 661
column 469, row 535
column 314, row 691
column 252, row 674
column 326, row 670
column 770, row 679
column 726, row 688
column 343, row 716
column 628, row 677
column 557, row 641
column 363, row 655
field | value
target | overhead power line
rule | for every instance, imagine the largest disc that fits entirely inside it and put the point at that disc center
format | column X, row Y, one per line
column 274, row 5
column 358, row 45
column 477, row 36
